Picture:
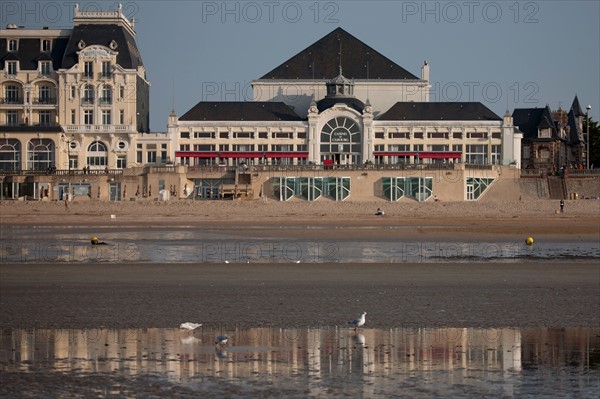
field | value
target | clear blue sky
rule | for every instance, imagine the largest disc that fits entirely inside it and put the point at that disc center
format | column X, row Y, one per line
column 520, row 53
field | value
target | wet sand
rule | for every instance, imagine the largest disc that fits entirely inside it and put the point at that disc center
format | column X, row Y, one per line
column 287, row 295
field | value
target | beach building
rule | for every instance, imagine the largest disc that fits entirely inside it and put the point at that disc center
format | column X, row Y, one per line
column 72, row 99
column 340, row 102
column 551, row 139
column 338, row 120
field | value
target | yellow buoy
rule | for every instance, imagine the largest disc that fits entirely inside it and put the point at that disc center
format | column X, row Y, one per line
column 94, row 240
column 529, row 241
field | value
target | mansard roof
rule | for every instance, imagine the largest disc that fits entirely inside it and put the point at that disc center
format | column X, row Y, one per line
column 103, row 34
column 29, row 52
column 530, row 120
column 434, row 111
column 321, row 60
column 241, row 111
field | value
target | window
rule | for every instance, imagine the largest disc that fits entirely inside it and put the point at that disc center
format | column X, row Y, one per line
column 10, row 154
column 73, row 91
column 106, row 95
column 417, row 147
column 46, row 45
column 477, row 154
column 11, row 67
column 45, row 95
column 121, row 117
column 88, row 94
column 45, row 118
column 121, row 92
column 121, row 162
column 105, row 73
column 151, row 157
column 40, row 154
column 139, row 157
column 88, row 117
column 106, row 120
column 97, row 155
column 72, row 117
column 88, row 69
column 45, row 67
column 12, row 94
column 12, row 45
column 184, row 135
column 12, row 118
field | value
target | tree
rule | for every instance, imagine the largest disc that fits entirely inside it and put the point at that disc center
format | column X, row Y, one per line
column 594, row 142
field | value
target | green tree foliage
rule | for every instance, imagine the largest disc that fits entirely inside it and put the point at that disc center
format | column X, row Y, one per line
column 594, row 142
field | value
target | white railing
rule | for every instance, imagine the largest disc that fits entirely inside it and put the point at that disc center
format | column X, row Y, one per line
column 99, row 128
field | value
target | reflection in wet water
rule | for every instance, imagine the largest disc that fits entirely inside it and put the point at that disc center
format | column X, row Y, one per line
column 192, row 245
column 321, row 362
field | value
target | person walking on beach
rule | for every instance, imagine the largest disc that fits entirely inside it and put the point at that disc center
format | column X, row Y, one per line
column 562, row 205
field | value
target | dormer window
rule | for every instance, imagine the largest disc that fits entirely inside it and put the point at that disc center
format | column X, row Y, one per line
column 45, row 67
column 11, row 67
column 12, row 45
column 46, row 45
column 88, row 69
column 105, row 73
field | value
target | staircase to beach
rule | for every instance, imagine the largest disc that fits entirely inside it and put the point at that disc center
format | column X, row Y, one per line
column 556, row 188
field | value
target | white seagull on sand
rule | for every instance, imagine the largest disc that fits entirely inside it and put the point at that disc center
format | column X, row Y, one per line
column 359, row 322
column 189, row 326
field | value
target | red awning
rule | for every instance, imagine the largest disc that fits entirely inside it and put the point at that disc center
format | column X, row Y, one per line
column 421, row 154
column 240, row 154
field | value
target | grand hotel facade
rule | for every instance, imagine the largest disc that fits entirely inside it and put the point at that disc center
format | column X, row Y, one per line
column 75, row 116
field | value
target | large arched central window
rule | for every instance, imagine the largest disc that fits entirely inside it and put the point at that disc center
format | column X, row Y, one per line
column 97, row 156
column 341, row 141
column 40, row 154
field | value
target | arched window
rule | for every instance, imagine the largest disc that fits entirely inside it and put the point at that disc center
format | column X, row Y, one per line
column 106, row 95
column 88, row 94
column 341, row 141
column 10, row 154
column 97, row 156
column 40, row 154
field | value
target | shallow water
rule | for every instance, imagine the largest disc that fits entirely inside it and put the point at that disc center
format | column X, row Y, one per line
column 308, row 362
column 196, row 245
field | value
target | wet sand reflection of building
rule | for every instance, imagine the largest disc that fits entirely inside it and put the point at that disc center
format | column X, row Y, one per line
column 311, row 357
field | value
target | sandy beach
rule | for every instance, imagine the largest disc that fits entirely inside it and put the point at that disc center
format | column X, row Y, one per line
column 151, row 299
column 448, row 294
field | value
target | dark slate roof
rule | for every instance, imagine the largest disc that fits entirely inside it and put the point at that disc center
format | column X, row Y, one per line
column 573, row 127
column 129, row 56
column 30, row 52
column 240, row 111
column 329, row 102
column 576, row 107
column 324, row 55
column 431, row 111
column 529, row 120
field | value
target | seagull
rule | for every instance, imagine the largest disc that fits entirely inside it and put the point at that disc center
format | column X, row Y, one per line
column 189, row 326
column 359, row 322
column 221, row 339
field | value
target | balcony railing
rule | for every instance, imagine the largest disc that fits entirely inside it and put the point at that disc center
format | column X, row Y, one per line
column 105, row 101
column 11, row 100
column 87, row 101
column 44, row 100
column 104, row 75
column 99, row 128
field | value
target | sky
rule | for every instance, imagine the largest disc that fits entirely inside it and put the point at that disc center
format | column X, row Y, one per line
column 505, row 54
